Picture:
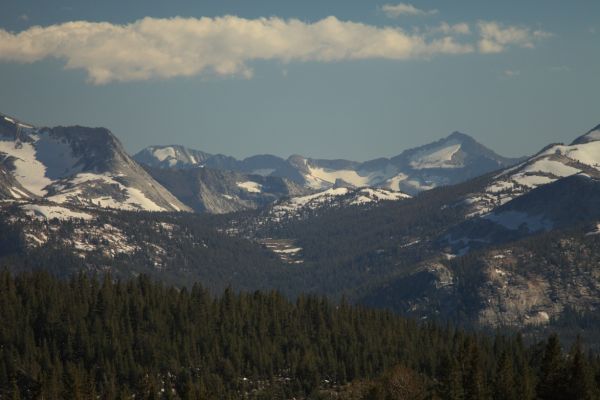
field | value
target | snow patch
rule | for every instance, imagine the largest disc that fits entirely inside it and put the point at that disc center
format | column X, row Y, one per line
column 368, row 195
column 163, row 153
column 553, row 167
column 250, row 186
column 49, row 212
column 29, row 172
column 137, row 198
column 596, row 231
column 288, row 251
column 338, row 197
column 556, row 162
column 320, row 197
column 532, row 181
column 79, row 192
column 322, row 177
column 394, row 182
column 437, row 158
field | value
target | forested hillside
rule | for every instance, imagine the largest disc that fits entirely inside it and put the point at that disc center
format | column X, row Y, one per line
column 99, row 338
column 176, row 248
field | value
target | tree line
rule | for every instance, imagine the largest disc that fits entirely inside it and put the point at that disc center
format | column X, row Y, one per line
column 98, row 337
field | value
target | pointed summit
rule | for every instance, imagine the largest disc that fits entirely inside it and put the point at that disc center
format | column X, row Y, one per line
column 451, row 159
column 456, row 135
column 457, row 150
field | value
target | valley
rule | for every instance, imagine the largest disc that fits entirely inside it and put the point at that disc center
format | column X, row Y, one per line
column 481, row 252
column 283, row 200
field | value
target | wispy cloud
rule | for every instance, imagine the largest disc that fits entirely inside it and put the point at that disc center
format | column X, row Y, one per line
column 457, row 29
column 24, row 17
column 166, row 48
column 509, row 73
column 495, row 38
column 396, row 10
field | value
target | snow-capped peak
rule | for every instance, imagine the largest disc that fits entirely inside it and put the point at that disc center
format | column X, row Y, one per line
column 75, row 165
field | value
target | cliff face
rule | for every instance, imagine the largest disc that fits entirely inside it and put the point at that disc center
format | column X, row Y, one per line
column 75, row 165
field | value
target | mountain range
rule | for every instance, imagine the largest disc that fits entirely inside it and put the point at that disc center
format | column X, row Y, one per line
column 89, row 167
column 516, row 247
column 450, row 160
column 473, row 237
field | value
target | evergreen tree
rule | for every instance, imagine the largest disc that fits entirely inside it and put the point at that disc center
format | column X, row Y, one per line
column 504, row 382
column 95, row 337
column 580, row 377
column 450, row 379
column 474, row 381
column 552, row 382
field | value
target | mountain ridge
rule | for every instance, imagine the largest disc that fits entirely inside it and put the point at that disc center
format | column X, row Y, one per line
column 449, row 160
column 513, row 247
column 76, row 165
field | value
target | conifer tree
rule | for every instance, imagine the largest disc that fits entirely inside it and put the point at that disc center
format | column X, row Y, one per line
column 474, row 381
column 580, row 378
column 552, row 383
column 504, row 382
column 450, row 379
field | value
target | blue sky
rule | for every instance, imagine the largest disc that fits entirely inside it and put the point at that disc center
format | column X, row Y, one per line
column 281, row 77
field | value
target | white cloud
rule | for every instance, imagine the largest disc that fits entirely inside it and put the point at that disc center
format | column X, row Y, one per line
column 165, row 48
column 396, row 10
column 457, row 29
column 509, row 73
column 24, row 17
column 494, row 37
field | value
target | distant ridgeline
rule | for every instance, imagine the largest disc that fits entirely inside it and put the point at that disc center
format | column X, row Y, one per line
column 87, row 338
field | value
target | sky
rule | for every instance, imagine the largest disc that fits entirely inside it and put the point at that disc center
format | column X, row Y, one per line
column 325, row 79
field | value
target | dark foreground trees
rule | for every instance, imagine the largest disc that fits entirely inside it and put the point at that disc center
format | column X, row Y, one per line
column 89, row 338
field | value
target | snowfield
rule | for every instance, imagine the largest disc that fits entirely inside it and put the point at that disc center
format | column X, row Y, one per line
column 394, row 182
column 81, row 189
column 330, row 176
column 29, row 172
column 317, row 198
column 341, row 196
column 320, row 178
column 49, row 212
column 164, row 153
column 556, row 162
column 369, row 195
column 44, row 163
column 438, row 158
